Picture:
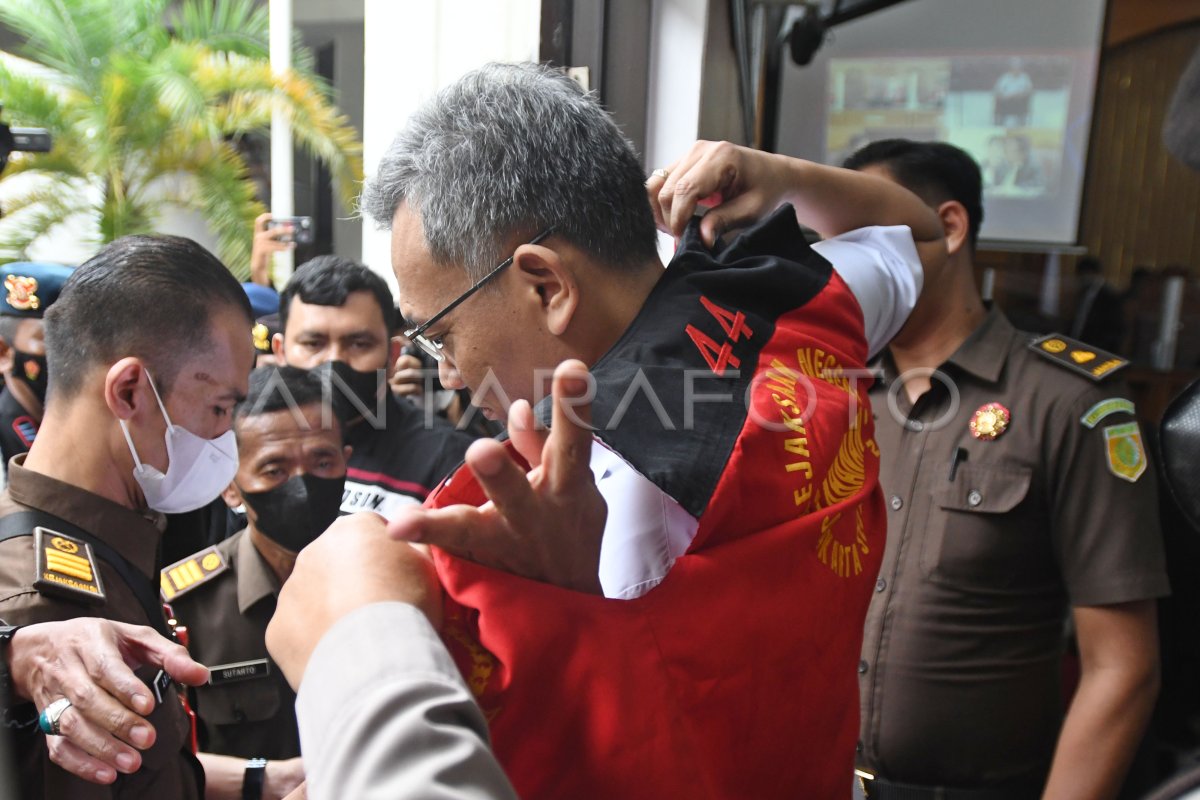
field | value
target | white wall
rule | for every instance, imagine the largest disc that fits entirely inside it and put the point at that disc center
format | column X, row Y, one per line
column 412, row 49
column 677, row 38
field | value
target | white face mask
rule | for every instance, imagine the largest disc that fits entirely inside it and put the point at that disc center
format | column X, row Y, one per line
column 198, row 469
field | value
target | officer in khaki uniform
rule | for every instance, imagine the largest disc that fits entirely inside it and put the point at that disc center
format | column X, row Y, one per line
column 51, row 576
column 1018, row 492
column 225, row 599
column 149, row 350
column 291, row 477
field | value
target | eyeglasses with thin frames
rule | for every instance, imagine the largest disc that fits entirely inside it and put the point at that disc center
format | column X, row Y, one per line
column 432, row 347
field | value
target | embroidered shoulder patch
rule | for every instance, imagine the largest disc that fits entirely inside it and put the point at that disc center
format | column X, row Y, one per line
column 66, row 567
column 1105, row 408
column 1126, row 452
column 1091, row 362
column 25, row 429
column 195, row 570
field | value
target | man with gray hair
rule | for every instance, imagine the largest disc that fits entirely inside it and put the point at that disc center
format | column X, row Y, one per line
column 675, row 609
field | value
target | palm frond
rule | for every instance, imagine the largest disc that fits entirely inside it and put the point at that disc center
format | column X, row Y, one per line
column 66, row 35
column 326, row 134
column 44, row 193
column 180, row 98
column 139, row 25
column 232, row 26
column 141, row 108
column 320, row 129
column 29, row 101
column 58, row 163
column 305, row 63
column 225, row 196
column 18, row 232
column 241, row 27
column 119, row 217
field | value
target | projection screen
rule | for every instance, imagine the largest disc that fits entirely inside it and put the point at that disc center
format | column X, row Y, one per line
column 1012, row 83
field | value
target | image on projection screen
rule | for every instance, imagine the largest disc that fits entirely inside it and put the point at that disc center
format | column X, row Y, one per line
column 1017, row 98
column 1009, row 113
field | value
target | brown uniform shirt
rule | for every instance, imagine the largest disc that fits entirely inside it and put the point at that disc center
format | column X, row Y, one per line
column 960, row 672
column 168, row 768
column 248, row 712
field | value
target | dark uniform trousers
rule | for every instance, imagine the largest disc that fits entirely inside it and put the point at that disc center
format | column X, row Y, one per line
column 248, row 709
column 169, row 770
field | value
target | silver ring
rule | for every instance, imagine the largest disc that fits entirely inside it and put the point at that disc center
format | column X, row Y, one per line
column 661, row 173
column 51, row 714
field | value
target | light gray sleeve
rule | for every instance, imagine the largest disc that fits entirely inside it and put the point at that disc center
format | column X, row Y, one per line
column 384, row 713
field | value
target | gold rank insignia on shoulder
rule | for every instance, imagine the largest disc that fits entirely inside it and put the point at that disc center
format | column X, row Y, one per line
column 1125, row 450
column 66, row 567
column 990, row 421
column 262, row 337
column 1076, row 356
column 195, row 570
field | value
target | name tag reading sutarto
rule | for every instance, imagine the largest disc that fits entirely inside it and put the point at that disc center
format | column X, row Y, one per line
column 238, row 671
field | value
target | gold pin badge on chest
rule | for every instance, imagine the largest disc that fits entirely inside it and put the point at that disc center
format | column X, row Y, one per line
column 990, row 421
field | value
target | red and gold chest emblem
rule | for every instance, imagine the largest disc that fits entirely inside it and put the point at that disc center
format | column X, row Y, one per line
column 990, row 421
column 22, row 292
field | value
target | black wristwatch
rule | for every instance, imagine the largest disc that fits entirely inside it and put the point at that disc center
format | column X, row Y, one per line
column 15, row 715
column 253, row 778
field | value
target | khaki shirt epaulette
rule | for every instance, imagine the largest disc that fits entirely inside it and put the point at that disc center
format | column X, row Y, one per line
column 195, row 570
column 66, row 567
column 1079, row 357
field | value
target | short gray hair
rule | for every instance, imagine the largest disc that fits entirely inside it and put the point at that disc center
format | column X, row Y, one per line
column 509, row 150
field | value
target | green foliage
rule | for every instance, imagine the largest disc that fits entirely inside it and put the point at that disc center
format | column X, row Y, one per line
column 145, row 101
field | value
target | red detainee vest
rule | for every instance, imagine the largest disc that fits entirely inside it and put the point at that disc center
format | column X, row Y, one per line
column 736, row 676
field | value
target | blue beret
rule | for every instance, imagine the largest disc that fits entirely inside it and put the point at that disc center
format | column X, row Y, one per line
column 30, row 287
column 263, row 299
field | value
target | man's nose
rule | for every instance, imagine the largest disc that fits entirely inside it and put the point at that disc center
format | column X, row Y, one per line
column 335, row 352
column 449, row 376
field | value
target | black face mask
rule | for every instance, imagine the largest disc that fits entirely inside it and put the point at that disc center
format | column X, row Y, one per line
column 352, row 390
column 32, row 370
column 297, row 511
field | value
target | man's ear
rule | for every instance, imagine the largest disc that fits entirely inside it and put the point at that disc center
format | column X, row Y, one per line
column 122, row 385
column 277, row 347
column 549, row 282
column 957, row 225
column 231, row 495
column 7, row 356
